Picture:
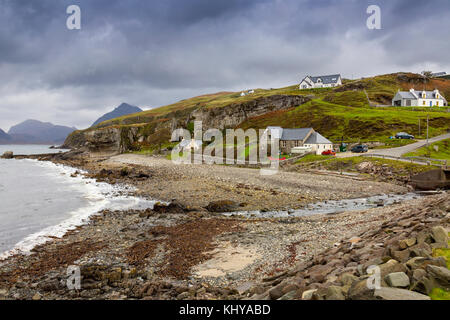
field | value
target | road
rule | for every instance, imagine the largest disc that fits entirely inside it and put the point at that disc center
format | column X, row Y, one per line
column 398, row 152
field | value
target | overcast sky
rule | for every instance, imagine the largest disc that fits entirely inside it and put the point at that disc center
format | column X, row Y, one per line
column 150, row 53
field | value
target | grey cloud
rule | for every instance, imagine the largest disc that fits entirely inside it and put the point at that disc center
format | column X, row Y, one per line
column 151, row 53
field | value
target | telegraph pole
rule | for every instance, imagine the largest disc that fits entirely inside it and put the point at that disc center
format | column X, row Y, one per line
column 428, row 116
column 419, row 126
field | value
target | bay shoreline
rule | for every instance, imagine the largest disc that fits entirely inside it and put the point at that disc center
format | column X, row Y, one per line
column 181, row 251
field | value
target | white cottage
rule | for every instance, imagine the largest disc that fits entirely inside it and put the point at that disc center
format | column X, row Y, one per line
column 413, row 98
column 330, row 81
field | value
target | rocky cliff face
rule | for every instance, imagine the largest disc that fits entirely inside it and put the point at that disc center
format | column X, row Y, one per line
column 110, row 140
column 233, row 115
column 121, row 138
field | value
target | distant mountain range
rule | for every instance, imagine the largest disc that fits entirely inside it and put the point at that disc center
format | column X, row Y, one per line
column 4, row 137
column 34, row 132
column 122, row 110
column 37, row 132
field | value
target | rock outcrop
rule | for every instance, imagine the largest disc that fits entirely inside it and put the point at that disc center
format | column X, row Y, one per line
column 7, row 155
column 234, row 114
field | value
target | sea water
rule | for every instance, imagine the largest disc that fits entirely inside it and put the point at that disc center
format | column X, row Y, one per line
column 40, row 199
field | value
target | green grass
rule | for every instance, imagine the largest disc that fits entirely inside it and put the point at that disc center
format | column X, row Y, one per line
column 149, row 150
column 443, row 252
column 394, row 143
column 348, row 98
column 443, row 151
column 440, row 294
column 352, row 123
column 313, row 158
column 350, row 164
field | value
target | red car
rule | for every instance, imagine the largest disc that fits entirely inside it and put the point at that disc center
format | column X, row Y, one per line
column 329, row 153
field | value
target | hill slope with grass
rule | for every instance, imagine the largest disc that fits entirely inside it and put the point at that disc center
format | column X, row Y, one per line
column 344, row 112
column 438, row 150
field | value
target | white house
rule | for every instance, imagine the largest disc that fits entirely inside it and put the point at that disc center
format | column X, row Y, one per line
column 413, row 98
column 330, row 81
column 251, row 91
column 302, row 137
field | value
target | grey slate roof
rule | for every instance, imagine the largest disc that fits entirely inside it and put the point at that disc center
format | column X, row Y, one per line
column 406, row 95
column 295, row 134
column 326, row 79
column 316, row 138
column 409, row 95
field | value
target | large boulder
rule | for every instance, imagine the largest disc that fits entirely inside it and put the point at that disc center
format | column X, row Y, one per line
column 173, row 207
column 7, row 155
column 390, row 267
column 422, row 263
column 223, row 206
column 397, row 280
column 436, row 277
column 439, row 234
column 440, row 275
column 360, row 290
column 335, row 293
column 398, row 294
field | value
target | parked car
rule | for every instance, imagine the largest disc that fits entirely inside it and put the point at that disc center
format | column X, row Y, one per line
column 403, row 135
column 328, row 153
column 361, row 148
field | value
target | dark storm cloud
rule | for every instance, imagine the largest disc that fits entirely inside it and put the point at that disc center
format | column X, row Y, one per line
column 151, row 53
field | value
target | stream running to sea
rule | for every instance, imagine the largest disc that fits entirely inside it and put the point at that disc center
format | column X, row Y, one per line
column 332, row 206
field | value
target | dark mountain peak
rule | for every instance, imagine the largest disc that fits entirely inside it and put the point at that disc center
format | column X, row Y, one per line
column 122, row 110
column 125, row 106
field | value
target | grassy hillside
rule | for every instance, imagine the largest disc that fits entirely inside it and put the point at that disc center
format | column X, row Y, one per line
column 334, row 121
column 334, row 112
column 437, row 150
column 217, row 100
column 379, row 89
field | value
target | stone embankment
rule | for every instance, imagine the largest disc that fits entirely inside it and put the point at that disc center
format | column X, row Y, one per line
column 407, row 255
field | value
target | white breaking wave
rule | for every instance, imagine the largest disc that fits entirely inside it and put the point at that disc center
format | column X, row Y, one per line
column 100, row 196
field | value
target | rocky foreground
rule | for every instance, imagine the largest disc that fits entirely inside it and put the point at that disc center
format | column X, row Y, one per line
column 171, row 252
column 410, row 253
column 188, row 250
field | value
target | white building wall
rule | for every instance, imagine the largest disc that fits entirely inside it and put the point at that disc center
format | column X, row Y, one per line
column 319, row 148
